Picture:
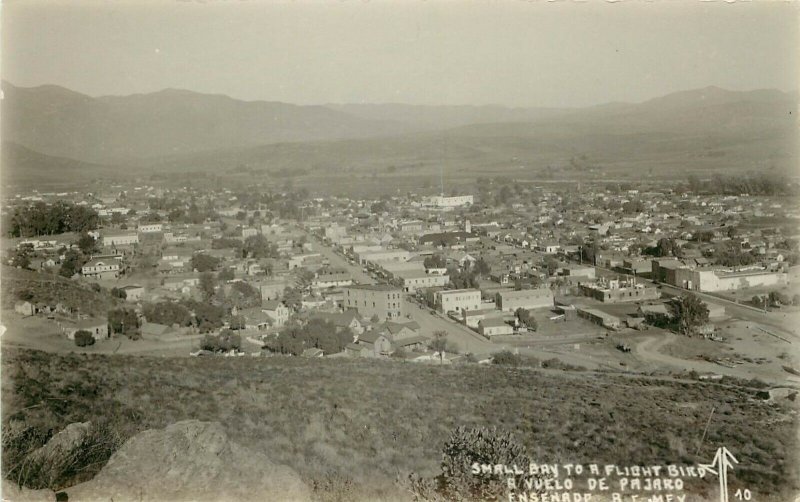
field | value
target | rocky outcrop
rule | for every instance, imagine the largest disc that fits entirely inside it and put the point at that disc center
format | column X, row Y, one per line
column 190, row 460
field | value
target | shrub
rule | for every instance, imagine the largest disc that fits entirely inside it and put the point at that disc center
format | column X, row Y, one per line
column 506, row 358
column 466, row 447
column 83, row 338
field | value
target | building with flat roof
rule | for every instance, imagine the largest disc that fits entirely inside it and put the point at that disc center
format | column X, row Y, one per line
column 419, row 279
column 454, row 201
column 381, row 300
column 456, row 300
column 616, row 291
column 528, row 299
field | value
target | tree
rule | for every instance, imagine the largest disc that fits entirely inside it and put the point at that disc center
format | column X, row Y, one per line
column 225, row 341
column 167, row 312
column 435, row 261
column 551, row 264
column 257, row 246
column 125, row 321
column 690, row 313
column 293, row 298
column 481, row 267
column 207, row 285
column 226, row 274
column 119, row 293
column 83, row 338
column 72, row 263
column 207, row 317
column 21, row 256
column 439, row 343
column 243, row 296
column 87, row 244
column 526, row 319
column 203, row 262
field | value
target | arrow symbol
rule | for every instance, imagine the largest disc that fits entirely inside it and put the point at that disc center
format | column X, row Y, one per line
column 723, row 460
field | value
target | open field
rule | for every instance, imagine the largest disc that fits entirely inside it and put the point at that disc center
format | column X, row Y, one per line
column 363, row 421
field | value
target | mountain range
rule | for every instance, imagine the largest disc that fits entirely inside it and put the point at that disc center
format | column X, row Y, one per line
column 50, row 129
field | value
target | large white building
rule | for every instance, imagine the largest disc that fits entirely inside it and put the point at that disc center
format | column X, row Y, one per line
column 454, row 201
column 121, row 239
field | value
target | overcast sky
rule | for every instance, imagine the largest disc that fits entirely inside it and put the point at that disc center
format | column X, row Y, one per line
column 518, row 53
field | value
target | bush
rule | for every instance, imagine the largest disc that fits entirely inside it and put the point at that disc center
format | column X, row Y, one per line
column 465, row 447
column 506, row 358
column 83, row 338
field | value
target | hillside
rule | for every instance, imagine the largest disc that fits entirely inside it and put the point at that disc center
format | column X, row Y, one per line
column 350, row 427
column 23, row 166
column 51, row 289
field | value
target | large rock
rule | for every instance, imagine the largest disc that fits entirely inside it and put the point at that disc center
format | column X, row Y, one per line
column 190, row 460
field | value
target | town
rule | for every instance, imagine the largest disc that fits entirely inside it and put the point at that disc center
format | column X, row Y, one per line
column 693, row 276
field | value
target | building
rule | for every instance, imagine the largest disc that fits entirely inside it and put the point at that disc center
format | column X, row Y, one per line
column 380, row 300
column 456, row 300
column 494, row 327
column 332, row 280
column 149, row 228
column 101, row 269
column 133, row 293
column 97, row 327
column 449, row 202
column 615, row 291
column 24, row 308
column 527, row 299
column 682, row 275
column 277, row 311
column 600, row 317
column 120, row 239
column 418, row 279
column 272, row 290
column 382, row 255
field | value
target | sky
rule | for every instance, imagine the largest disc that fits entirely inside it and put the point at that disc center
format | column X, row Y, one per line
column 513, row 53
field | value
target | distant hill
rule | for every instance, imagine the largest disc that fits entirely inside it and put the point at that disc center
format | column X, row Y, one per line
column 181, row 131
column 111, row 129
column 446, row 117
column 707, row 129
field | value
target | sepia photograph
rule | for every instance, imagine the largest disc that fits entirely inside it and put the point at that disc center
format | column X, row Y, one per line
column 399, row 251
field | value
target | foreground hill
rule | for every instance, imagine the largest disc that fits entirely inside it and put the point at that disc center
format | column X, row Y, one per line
column 350, row 427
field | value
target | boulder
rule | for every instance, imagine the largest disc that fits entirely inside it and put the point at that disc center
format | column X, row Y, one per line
column 190, row 460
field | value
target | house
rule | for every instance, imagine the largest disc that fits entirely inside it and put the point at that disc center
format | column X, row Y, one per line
column 133, row 292
column 101, row 269
column 148, row 228
column 25, row 308
column 345, row 320
column 377, row 344
column 97, row 327
column 494, row 327
column 599, row 317
column 255, row 319
column 276, row 311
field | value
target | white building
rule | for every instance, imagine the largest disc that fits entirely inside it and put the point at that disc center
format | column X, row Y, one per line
column 456, row 300
column 149, row 228
column 124, row 239
column 454, row 201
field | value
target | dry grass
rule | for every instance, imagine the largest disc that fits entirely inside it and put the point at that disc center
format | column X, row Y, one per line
column 353, row 425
